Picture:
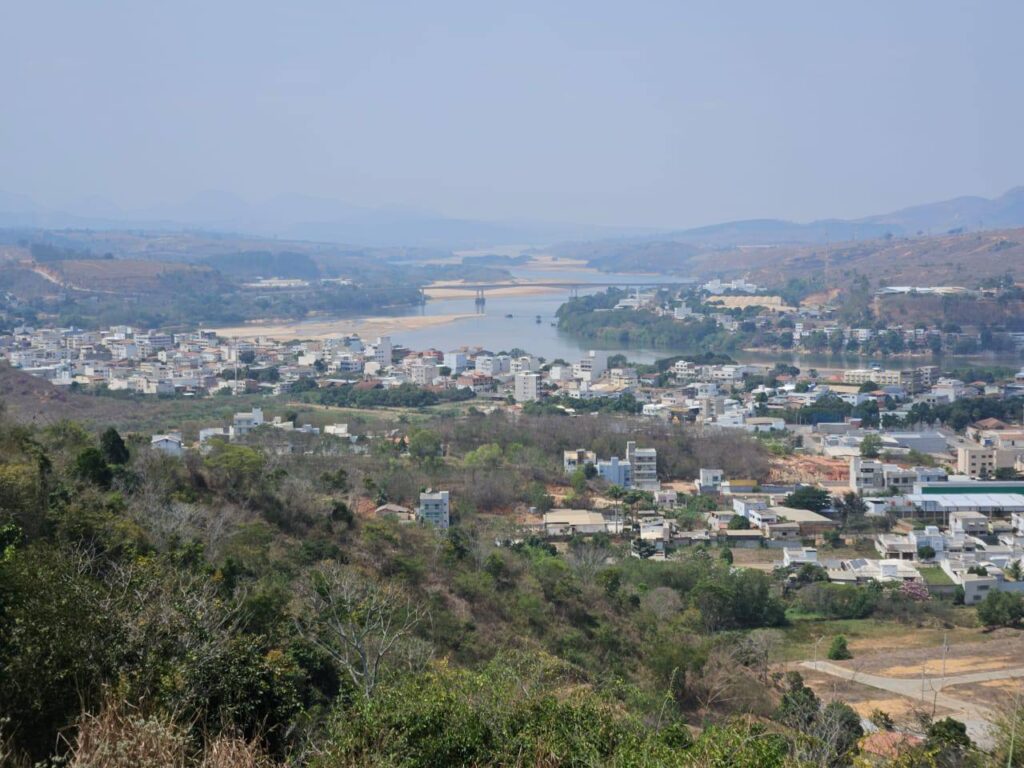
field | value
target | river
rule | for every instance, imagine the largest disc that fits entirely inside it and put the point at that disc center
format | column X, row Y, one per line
column 507, row 322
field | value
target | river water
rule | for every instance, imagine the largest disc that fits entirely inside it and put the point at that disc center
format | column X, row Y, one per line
column 526, row 322
column 492, row 327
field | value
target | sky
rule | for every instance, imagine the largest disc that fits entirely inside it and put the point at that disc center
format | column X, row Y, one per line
column 651, row 114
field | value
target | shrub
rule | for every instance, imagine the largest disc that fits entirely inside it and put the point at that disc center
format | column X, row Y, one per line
column 838, row 650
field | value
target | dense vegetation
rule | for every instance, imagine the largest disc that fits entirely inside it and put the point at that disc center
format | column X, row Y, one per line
column 248, row 603
column 594, row 319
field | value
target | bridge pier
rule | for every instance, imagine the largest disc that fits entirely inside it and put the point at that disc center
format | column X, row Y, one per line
column 574, row 292
column 480, row 300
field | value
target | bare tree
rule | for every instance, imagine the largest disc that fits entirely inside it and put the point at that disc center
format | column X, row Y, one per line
column 358, row 622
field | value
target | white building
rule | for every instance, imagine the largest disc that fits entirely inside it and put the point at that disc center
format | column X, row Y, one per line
column 710, row 480
column 591, row 367
column 644, row 464
column 382, row 351
column 244, row 423
column 169, row 444
column 527, row 387
column 434, row 508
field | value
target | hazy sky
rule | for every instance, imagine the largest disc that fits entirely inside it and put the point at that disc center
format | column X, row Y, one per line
column 642, row 113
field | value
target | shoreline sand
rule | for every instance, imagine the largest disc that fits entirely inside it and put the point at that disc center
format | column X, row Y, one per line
column 328, row 328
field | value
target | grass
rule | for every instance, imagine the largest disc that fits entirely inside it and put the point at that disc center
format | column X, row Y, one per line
column 933, row 575
column 804, row 629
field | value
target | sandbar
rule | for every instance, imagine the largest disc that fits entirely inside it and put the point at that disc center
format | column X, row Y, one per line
column 329, row 328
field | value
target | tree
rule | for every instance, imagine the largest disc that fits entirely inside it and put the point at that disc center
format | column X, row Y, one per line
column 425, row 445
column 925, row 552
column 578, row 481
column 738, row 523
column 91, row 467
column 850, row 505
column 1001, row 609
column 808, row 497
column 799, row 705
column 871, row 446
column 948, row 735
column 113, row 447
column 362, row 625
column 725, row 555
column 838, row 650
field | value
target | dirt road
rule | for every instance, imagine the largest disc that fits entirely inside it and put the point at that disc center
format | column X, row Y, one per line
column 929, row 690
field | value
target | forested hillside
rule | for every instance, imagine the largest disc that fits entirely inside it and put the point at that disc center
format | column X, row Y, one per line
column 245, row 607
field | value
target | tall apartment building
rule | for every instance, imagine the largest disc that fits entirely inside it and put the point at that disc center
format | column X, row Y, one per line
column 644, row 463
column 527, row 387
column 382, row 351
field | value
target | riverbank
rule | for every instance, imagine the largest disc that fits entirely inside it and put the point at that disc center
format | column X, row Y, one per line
column 327, row 328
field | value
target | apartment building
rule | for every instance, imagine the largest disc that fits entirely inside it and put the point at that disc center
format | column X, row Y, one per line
column 434, row 508
column 527, row 387
column 644, row 463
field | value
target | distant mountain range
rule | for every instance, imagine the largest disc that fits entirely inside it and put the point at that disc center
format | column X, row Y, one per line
column 318, row 219
column 959, row 214
column 297, row 217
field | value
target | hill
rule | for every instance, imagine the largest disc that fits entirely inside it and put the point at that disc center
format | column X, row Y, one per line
column 28, row 399
column 945, row 217
column 950, row 259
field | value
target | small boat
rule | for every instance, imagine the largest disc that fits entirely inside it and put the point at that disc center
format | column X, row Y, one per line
column 509, row 316
column 538, row 319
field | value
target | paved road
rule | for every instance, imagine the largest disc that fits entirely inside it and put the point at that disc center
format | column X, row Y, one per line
column 928, row 690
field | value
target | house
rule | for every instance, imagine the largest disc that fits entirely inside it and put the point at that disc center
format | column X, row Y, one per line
column 747, row 539
column 730, row 487
column 395, row 512
column 795, row 556
column 666, row 498
column 811, row 523
column 434, row 508
column 720, row 518
column 169, row 444
column 244, row 423
column 782, row 531
column 567, row 522
column 710, row 480
column 577, row 459
column 616, row 472
column 864, row 570
column 968, row 522
column 756, row 512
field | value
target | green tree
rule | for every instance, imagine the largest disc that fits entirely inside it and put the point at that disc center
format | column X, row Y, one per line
column 838, row 651
column 738, row 523
column 1001, row 609
column 808, row 497
column 925, row 552
column 93, row 468
column 113, row 447
column 725, row 555
column 425, row 445
column 871, row 446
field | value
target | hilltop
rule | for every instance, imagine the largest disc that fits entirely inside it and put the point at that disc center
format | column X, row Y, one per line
column 950, row 259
